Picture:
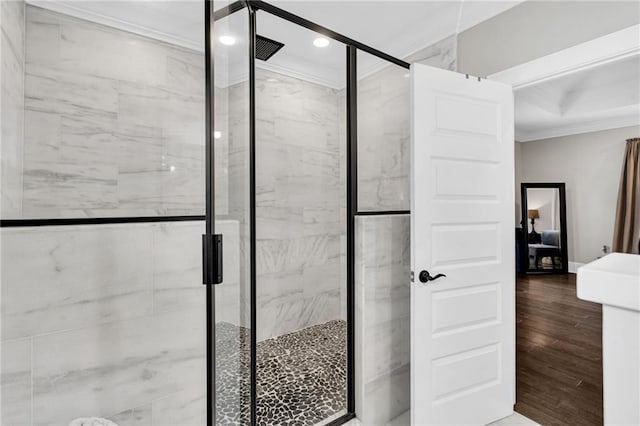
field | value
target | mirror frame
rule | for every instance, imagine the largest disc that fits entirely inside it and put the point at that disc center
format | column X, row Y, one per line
column 524, row 260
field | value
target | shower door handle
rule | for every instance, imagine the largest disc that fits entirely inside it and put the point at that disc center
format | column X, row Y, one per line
column 212, row 259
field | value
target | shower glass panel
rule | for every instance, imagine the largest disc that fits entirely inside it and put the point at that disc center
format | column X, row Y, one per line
column 113, row 121
column 383, row 135
column 102, row 317
column 301, row 226
column 232, row 196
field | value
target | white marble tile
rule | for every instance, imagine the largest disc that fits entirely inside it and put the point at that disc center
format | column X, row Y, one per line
column 185, row 408
column 15, row 382
column 403, row 419
column 291, row 254
column 139, row 416
column 384, row 130
column 277, row 319
column 387, row 295
column 122, row 55
column 382, row 317
column 185, row 72
column 13, row 26
column 101, row 101
column 177, row 266
column 280, row 288
column 326, row 277
column 383, row 125
column 300, row 197
column 62, row 278
column 177, row 269
column 49, row 186
column 388, row 397
column 12, row 108
column 388, row 348
column 52, row 90
column 43, row 30
column 321, row 307
column 111, row 368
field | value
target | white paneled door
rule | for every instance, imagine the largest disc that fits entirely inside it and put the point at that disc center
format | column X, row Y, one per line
column 462, row 226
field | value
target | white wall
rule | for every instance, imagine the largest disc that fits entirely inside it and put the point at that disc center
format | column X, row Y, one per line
column 590, row 165
column 538, row 28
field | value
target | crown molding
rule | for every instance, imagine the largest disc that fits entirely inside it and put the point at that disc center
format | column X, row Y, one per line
column 609, row 48
column 587, row 126
column 603, row 50
column 81, row 13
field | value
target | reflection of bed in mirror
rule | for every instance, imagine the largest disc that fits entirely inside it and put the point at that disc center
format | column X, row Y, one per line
column 549, row 247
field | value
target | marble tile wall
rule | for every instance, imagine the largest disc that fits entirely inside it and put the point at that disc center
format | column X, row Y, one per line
column 12, row 33
column 384, row 129
column 113, row 124
column 300, row 199
column 108, row 320
column 383, row 140
column 382, row 317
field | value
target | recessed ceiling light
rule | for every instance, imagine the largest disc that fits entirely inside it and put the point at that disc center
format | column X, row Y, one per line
column 217, row 134
column 321, row 42
column 227, row 40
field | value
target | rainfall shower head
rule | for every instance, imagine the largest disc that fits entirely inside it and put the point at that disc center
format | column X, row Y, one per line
column 266, row 48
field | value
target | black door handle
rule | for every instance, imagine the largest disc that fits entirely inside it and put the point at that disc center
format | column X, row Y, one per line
column 425, row 276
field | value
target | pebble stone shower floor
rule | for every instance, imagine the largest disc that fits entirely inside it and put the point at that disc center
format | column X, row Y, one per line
column 301, row 376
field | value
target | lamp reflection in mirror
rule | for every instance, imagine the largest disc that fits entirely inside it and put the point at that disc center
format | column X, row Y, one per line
column 534, row 237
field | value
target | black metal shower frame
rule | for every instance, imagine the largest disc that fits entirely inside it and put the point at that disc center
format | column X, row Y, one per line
column 352, row 48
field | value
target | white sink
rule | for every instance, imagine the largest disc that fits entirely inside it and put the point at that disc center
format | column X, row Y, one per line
column 613, row 280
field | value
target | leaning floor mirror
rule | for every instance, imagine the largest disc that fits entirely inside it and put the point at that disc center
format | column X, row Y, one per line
column 544, row 223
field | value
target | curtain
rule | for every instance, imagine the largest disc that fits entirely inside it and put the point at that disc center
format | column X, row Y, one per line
column 626, row 234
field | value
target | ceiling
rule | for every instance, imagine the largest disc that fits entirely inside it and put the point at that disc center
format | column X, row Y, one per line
column 604, row 97
column 394, row 26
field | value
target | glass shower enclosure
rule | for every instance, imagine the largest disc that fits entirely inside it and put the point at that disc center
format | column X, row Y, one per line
column 149, row 148
column 287, row 90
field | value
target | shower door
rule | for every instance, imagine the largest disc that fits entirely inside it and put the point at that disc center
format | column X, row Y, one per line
column 229, row 204
column 300, row 235
column 462, row 249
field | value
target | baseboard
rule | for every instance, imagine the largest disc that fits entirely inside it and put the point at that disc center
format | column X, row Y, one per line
column 573, row 267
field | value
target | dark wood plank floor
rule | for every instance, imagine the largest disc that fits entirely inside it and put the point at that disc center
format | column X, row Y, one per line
column 559, row 352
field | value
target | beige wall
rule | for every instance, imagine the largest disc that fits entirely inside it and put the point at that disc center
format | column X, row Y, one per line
column 538, row 28
column 590, row 166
